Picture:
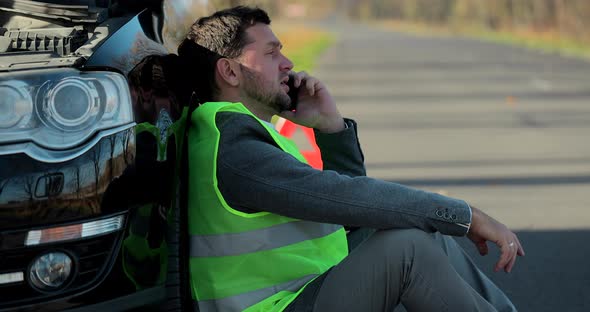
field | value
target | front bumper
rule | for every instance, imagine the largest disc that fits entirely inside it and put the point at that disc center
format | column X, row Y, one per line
column 98, row 184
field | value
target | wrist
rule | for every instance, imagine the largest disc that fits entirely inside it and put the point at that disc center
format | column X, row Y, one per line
column 475, row 217
column 336, row 125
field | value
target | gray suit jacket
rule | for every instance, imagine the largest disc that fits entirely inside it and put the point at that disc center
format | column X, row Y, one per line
column 254, row 174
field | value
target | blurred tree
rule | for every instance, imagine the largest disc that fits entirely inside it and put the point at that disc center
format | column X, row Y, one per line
column 568, row 18
column 181, row 14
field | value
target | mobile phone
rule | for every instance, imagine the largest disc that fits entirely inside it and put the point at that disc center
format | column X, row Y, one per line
column 293, row 92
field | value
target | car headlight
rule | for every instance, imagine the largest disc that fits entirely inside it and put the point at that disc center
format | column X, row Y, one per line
column 72, row 103
column 61, row 108
column 16, row 105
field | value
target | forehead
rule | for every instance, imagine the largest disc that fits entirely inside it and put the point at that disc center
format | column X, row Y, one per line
column 260, row 35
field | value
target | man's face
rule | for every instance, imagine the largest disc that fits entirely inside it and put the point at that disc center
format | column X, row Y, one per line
column 265, row 70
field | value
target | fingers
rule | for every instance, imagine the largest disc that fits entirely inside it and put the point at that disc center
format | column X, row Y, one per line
column 287, row 114
column 480, row 244
column 513, row 250
column 298, row 77
column 512, row 261
column 518, row 251
column 485, row 228
column 311, row 84
column 510, row 249
column 301, row 77
column 506, row 255
column 482, row 247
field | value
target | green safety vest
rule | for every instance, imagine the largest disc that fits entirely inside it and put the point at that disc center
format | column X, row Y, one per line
column 247, row 261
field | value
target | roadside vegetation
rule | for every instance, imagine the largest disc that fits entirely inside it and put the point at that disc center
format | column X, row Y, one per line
column 302, row 44
column 557, row 26
column 546, row 41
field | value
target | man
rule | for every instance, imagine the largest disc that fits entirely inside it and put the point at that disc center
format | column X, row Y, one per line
column 262, row 222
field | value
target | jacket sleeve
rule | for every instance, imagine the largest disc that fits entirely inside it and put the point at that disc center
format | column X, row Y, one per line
column 255, row 175
column 341, row 151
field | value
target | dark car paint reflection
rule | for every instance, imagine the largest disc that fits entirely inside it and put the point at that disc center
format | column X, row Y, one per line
column 128, row 45
column 35, row 193
column 131, row 172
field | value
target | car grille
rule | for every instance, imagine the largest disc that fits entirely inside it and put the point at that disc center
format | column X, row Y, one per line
column 92, row 257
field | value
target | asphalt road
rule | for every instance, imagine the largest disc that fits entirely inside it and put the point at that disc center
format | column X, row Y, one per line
column 504, row 128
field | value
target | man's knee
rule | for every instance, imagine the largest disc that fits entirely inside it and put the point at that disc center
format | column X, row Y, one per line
column 407, row 243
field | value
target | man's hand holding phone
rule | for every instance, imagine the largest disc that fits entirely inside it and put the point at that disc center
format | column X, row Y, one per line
column 315, row 107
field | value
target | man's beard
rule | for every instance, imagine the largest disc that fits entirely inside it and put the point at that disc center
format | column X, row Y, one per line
column 254, row 89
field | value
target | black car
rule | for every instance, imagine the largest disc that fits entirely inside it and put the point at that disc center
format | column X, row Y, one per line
column 90, row 158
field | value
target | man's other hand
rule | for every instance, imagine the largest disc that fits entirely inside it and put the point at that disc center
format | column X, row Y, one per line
column 316, row 107
column 484, row 228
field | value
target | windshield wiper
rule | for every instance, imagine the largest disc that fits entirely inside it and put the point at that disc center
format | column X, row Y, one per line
column 67, row 12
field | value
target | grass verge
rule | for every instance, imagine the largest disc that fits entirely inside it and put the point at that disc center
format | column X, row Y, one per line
column 303, row 44
column 550, row 42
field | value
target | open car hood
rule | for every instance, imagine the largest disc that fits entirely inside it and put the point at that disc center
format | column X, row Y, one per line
column 78, row 11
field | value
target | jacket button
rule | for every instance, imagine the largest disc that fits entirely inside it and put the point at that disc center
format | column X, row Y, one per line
column 439, row 213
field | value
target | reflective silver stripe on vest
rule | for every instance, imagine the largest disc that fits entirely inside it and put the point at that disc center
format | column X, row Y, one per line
column 242, row 301
column 257, row 240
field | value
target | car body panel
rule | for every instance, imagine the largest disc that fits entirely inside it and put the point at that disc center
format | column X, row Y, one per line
column 127, row 172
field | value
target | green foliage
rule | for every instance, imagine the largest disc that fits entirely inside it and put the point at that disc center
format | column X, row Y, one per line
column 305, row 57
column 569, row 18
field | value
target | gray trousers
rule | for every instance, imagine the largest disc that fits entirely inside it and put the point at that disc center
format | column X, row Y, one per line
column 421, row 271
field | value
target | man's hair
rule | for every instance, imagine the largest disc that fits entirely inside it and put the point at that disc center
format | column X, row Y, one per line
column 222, row 34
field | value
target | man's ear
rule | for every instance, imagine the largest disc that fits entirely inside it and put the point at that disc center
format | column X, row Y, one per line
column 228, row 71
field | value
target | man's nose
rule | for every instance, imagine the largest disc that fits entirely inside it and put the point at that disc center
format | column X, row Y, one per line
column 286, row 64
